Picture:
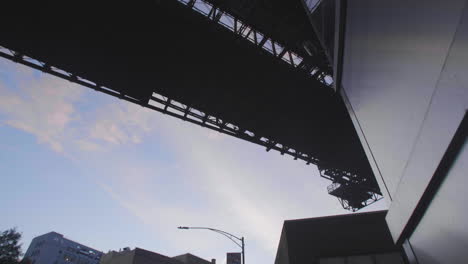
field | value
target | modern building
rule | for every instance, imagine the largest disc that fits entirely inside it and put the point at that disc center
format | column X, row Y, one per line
column 361, row 238
column 401, row 69
column 141, row 256
column 54, row 248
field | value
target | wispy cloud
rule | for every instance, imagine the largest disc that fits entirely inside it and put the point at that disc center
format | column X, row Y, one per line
column 40, row 104
column 46, row 107
column 122, row 124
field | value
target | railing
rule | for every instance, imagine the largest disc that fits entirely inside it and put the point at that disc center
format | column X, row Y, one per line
column 247, row 32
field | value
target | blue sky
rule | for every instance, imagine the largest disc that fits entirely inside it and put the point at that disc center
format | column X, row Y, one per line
column 111, row 174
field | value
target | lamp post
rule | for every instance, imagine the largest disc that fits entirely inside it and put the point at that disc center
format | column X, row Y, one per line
column 226, row 234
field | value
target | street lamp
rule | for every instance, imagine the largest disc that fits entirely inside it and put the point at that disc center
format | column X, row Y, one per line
column 226, row 234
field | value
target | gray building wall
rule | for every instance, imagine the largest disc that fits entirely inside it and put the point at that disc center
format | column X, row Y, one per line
column 405, row 81
column 442, row 235
column 394, row 54
column 53, row 248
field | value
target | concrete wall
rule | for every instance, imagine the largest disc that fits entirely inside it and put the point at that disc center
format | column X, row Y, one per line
column 405, row 79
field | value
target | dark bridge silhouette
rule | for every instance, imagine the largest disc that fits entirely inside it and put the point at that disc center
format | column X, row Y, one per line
column 249, row 69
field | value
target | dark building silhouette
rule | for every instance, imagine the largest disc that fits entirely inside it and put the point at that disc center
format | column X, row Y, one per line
column 192, row 259
column 141, row 256
column 356, row 238
column 233, row 258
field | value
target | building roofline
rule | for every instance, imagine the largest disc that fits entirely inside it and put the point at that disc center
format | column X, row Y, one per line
column 333, row 216
column 64, row 237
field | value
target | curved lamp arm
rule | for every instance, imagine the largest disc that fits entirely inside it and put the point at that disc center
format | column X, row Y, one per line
column 224, row 233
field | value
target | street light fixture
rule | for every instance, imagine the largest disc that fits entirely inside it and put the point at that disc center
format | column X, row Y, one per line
column 226, row 234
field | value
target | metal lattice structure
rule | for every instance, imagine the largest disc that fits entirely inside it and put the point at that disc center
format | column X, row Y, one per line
column 351, row 195
column 306, row 120
column 344, row 181
column 260, row 40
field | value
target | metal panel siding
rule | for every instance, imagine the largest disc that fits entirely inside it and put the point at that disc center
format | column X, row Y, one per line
column 394, row 53
column 442, row 236
column 404, row 75
column 448, row 107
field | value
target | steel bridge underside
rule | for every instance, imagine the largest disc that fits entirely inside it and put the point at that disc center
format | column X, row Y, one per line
column 162, row 55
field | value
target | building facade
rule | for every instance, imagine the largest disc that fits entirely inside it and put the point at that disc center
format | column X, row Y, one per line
column 401, row 68
column 54, row 248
